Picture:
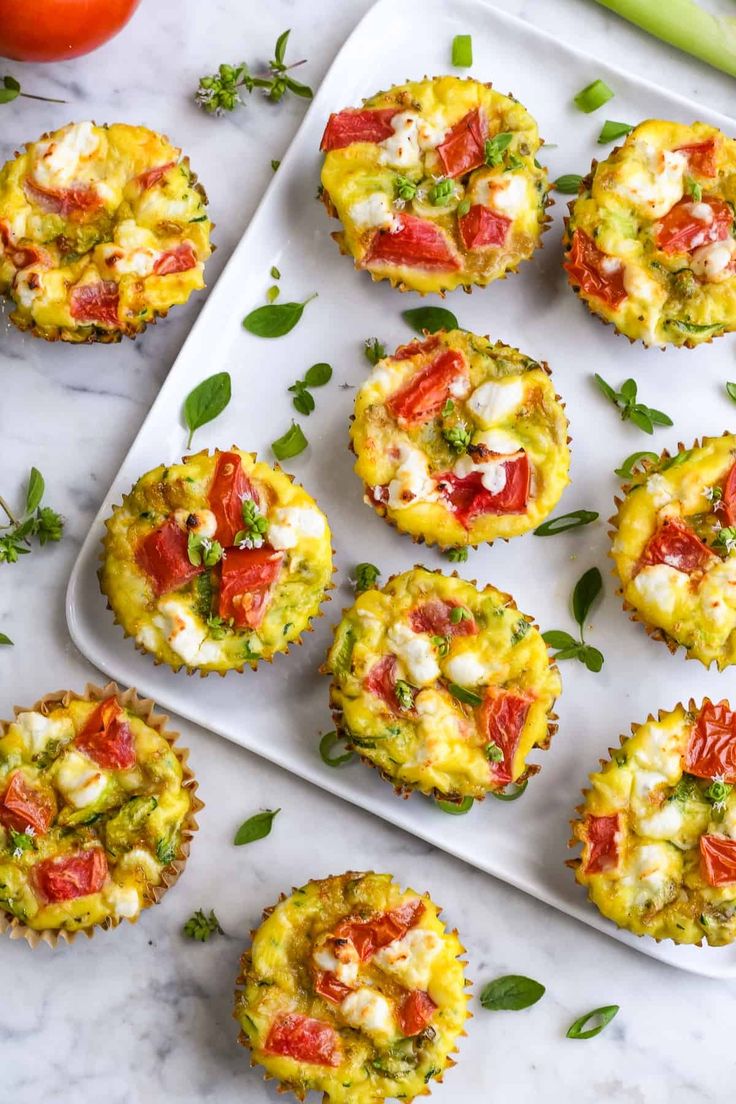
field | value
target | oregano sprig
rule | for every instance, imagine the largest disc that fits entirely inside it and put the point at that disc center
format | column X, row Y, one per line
column 10, row 90
column 201, row 927
column 220, row 91
column 316, row 376
column 644, row 417
column 36, row 521
column 587, row 590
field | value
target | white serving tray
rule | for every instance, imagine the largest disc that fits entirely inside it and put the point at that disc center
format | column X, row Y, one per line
column 279, row 711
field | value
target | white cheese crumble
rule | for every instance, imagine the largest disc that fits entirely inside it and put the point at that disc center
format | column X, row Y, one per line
column 416, row 653
column 412, row 481
column 340, row 959
column 497, row 440
column 410, row 958
column 374, row 213
column 493, row 472
column 659, row 489
column 665, row 823
column 28, row 285
column 655, row 183
column 466, row 669
column 492, row 402
column 184, row 634
column 123, row 900
column 138, row 859
column 411, row 135
column 713, row 261
column 509, row 194
column 659, row 587
column 288, row 524
column 80, row 781
column 58, row 162
column 367, row 1010
column 37, row 730
column 204, row 526
column 651, row 872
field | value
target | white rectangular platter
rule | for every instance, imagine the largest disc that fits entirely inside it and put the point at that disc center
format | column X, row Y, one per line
column 279, row 711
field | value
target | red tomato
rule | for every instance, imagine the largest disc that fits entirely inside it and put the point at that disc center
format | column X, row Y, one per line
column 52, row 30
column 248, row 575
column 728, row 497
column 464, row 146
column 107, row 738
column 68, row 202
column 164, row 557
column 481, row 227
column 701, row 157
column 718, row 860
column 711, row 749
column 434, row 617
column 425, row 393
column 680, row 232
column 381, row 681
column 415, row 1012
column 230, row 485
column 416, row 243
column 180, row 259
column 346, row 127
column 502, row 718
column 677, row 546
column 305, row 1040
column 71, row 876
column 24, row 806
column 95, row 303
column 586, row 265
column 405, row 352
column 21, row 256
column 468, row 498
column 368, row 936
column 329, row 987
column 152, row 176
column 603, row 835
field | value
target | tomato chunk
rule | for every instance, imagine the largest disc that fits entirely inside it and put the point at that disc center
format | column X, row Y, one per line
column 230, row 485
column 502, row 718
column 107, row 738
column 71, row 876
column 728, row 497
column 677, row 546
column 95, row 303
column 469, row 499
column 425, row 393
column 711, row 749
column 415, row 1012
column 164, row 557
column 701, row 157
column 603, row 835
column 594, row 272
column 152, row 176
column 346, row 127
column 331, row 988
column 248, row 576
column 681, row 232
column 180, row 259
column 463, row 148
column 405, row 352
column 21, row 255
column 77, row 200
column 416, row 243
column 25, row 806
column 368, row 936
column 381, row 681
column 304, row 1039
column 482, row 227
column 434, row 617
column 718, row 860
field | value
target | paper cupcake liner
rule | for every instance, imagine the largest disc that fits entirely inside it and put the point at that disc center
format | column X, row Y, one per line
column 404, row 790
column 145, row 709
column 240, row 668
column 284, row 1087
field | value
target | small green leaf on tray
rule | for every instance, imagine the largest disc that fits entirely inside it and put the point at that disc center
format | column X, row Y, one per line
column 366, row 576
column 569, row 184
column 275, row 319
column 272, row 294
column 644, row 417
column 593, row 96
column 35, row 491
column 205, row 401
column 731, row 391
column 611, row 130
column 374, row 350
column 601, row 1017
column 256, row 827
column 511, row 993
column 462, row 51
column 576, row 519
column 587, row 589
column 327, row 744
column 290, row 444
column 201, row 927
column 4, row 639
column 430, row 319
column 318, row 375
column 455, row 808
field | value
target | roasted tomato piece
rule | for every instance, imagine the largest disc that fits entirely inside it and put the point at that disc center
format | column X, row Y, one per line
column 503, row 715
column 416, row 243
column 728, row 497
column 594, row 272
column 21, row 255
column 164, row 557
column 25, row 806
column 381, row 681
column 434, row 617
column 481, row 227
column 424, row 394
column 152, row 176
column 95, row 303
column 405, row 352
column 107, row 739
column 718, row 860
column 77, row 200
column 711, row 749
column 468, row 498
column 179, row 259
column 464, row 146
column 415, row 1012
column 346, row 127
column 230, row 486
column 248, row 576
column 701, row 157
column 368, row 936
column 677, row 546
column 304, row 1039
column 681, row 232
column 602, row 835
column 71, row 876
column 329, row 987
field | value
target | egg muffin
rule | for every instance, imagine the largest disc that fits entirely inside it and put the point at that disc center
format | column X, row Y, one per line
column 460, row 440
column 674, row 547
column 216, row 562
column 436, row 184
column 444, row 687
column 658, row 828
column 102, row 230
column 650, row 240
column 354, row 988
column 97, row 811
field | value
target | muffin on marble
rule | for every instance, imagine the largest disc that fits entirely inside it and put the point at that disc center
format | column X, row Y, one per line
column 649, row 241
column 97, row 809
column 436, row 184
column 444, row 687
column 353, row 988
column 102, row 230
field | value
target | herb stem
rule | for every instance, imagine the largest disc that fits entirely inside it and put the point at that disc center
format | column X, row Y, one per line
column 46, row 99
column 6, row 508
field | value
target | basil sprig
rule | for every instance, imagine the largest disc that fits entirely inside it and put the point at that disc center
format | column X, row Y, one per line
column 290, row 443
column 644, row 417
column 327, row 745
column 455, row 808
column 587, row 590
column 603, row 1016
column 511, row 993
column 626, row 471
column 576, row 519
column 256, row 827
column 316, row 376
column 275, row 319
column 430, row 319
column 206, row 401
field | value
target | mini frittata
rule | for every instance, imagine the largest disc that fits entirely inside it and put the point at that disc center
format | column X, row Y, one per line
column 354, row 988
column 444, row 687
column 102, row 230
column 436, row 184
column 460, row 440
column 216, row 562
column 658, row 828
column 96, row 812
column 674, row 547
column 650, row 241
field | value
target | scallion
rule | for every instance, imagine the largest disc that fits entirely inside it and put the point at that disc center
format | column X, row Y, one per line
column 462, row 51
column 593, row 96
column 611, row 130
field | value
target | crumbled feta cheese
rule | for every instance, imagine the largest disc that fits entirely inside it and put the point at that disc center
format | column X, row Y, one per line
column 654, row 184
column 666, row 823
column 374, row 213
column 493, row 475
column 509, row 194
column 338, row 958
column 640, row 285
column 203, row 522
column 367, row 1010
column 37, row 730
column 412, row 481
column 58, row 162
column 497, row 440
column 140, row 860
column 80, row 781
column 185, row 635
column 28, row 285
column 659, row 587
column 713, row 261
column 466, row 669
column 411, row 135
column 410, row 958
column 493, row 402
column 123, row 900
column 416, row 653
column 660, row 490
column 288, row 524
column 703, row 212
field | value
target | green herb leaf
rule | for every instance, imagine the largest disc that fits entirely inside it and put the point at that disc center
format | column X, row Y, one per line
column 457, row 555
column 494, row 754
column 626, row 471
column 731, row 391
column 280, row 47
column 557, row 638
column 405, row 188
column 206, row 401
column 462, row 51
column 592, row 658
column 441, row 192
column 404, row 695
column 5, row 639
column 275, row 165
column 430, row 319
column 494, row 147
column 366, row 576
column 201, row 927
column 36, row 488
column 203, row 550
column 276, row 319
column 374, row 350
column 677, row 459
column 463, row 207
column 593, row 96
column 644, row 417
column 610, row 131
column 255, row 828
column 521, row 628
column 8, row 94
column 327, row 744
column 693, row 327
column 318, row 375
column 272, row 294
column 568, row 184
column 302, row 400
column 602, row 1015
column 574, row 520
column 511, row 993
column 693, row 189
column 469, row 697
column 290, row 443
column 510, row 795
column 587, row 589
column 455, row 808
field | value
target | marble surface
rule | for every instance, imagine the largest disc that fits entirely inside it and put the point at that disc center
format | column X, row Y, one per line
column 142, row 1014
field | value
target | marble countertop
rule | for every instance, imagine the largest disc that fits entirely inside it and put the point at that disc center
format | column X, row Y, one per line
column 142, row 1014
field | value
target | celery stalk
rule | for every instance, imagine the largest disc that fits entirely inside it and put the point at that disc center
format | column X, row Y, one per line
column 684, row 24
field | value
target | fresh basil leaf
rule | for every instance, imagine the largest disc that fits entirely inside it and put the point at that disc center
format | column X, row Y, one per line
column 299, row 89
column 256, row 827
column 303, row 401
column 606, row 388
column 610, row 131
column 274, row 273
column 275, row 319
column 626, row 471
column 366, row 577
column 602, row 1015
column 5, row 639
column 7, row 95
column 511, row 993
column 280, row 48
column 430, row 319
column 731, row 391
column 290, row 444
column 569, row 184
column 574, row 651
column 204, row 402
column 327, row 744
column 587, row 589
column 574, row 520
column 641, row 419
column 455, row 808
column 318, row 375
column 510, row 795
column 464, row 695
column 629, row 389
column 34, row 494
column 592, row 658
column 658, row 418
column 557, row 638
column 374, row 350
column 11, row 82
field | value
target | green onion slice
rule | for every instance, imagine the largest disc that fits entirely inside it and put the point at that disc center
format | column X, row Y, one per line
column 455, row 808
column 327, row 744
column 290, row 444
column 510, row 795
column 574, row 520
column 602, row 1015
column 462, row 51
column 611, row 130
column 593, row 96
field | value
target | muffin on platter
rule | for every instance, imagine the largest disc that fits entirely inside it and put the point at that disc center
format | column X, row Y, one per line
column 445, row 687
column 215, row 562
column 353, row 987
column 102, row 230
column 436, row 184
column 649, row 242
column 460, row 440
